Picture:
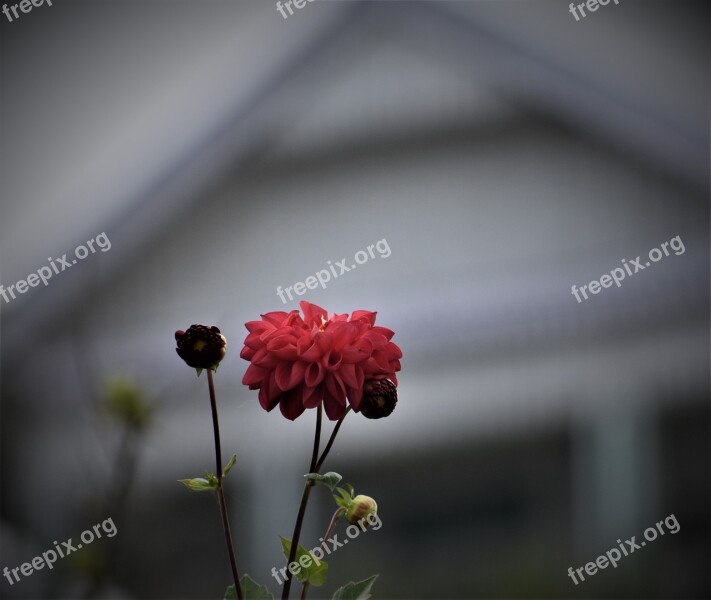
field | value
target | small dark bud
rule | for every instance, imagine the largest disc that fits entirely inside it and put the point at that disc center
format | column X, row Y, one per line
column 379, row 398
column 201, row 347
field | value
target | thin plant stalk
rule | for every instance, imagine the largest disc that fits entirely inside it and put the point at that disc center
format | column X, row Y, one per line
column 304, row 590
column 330, row 441
column 332, row 524
column 329, row 531
column 219, row 490
column 314, row 468
column 317, row 438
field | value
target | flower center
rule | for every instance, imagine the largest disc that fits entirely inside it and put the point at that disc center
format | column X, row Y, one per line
column 199, row 345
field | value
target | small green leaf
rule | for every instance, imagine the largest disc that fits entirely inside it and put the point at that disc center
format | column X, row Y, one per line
column 330, row 479
column 314, row 573
column 251, row 590
column 229, row 466
column 341, row 502
column 199, row 371
column 356, row 591
column 346, row 497
column 200, row 484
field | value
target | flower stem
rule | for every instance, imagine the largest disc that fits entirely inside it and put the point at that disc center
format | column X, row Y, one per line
column 332, row 524
column 219, row 490
column 304, row 502
column 296, row 536
column 314, row 468
column 329, row 531
column 317, row 438
column 330, row 441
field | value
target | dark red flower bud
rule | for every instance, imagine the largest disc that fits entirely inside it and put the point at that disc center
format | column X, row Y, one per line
column 201, row 347
column 379, row 398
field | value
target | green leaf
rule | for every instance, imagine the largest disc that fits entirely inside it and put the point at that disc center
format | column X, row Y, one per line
column 346, row 497
column 200, row 484
column 330, row 479
column 341, row 502
column 229, row 466
column 199, row 371
column 314, row 572
column 356, row 591
column 251, row 590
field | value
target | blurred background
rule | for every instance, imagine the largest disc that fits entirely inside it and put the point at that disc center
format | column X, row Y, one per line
column 504, row 150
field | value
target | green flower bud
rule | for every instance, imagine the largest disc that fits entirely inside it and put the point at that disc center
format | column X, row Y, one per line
column 359, row 508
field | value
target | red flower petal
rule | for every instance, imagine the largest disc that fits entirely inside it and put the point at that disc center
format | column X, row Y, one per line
column 291, row 405
column 308, row 350
column 283, row 348
column 364, row 315
column 314, row 374
column 254, row 375
column 264, row 358
column 348, row 374
column 312, row 397
column 289, row 375
column 313, row 314
column 334, row 399
column 267, row 403
column 275, row 318
column 388, row 333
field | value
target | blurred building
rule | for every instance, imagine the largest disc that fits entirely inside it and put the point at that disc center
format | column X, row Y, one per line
column 505, row 152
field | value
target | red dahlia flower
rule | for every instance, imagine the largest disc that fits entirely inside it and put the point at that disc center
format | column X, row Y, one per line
column 298, row 362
